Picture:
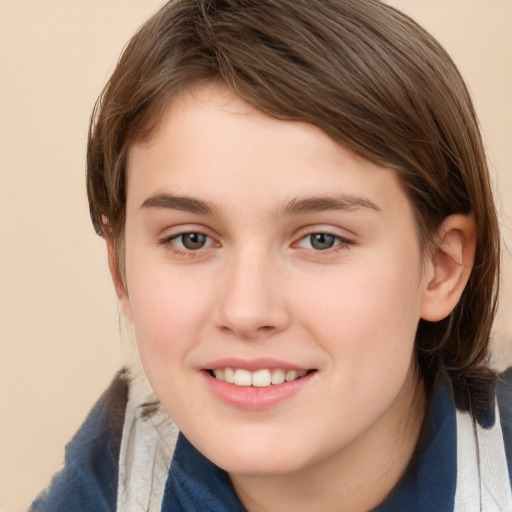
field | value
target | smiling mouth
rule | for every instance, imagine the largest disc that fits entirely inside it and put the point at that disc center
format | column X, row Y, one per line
column 260, row 378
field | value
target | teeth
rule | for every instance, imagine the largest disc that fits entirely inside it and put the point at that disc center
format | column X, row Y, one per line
column 278, row 376
column 260, row 378
column 229, row 375
column 290, row 375
column 243, row 378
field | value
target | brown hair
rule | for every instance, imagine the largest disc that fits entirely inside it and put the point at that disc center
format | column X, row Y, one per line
column 366, row 74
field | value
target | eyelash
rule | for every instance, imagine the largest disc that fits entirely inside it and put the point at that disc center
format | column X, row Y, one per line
column 169, row 243
column 340, row 243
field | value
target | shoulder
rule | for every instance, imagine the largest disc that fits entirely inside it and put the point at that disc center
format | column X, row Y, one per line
column 88, row 480
column 504, row 387
column 504, row 398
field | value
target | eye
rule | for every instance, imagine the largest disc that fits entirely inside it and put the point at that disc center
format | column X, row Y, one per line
column 189, row 241
column 322, row 241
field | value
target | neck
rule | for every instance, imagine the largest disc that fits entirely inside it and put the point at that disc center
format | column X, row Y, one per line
column 359, row 477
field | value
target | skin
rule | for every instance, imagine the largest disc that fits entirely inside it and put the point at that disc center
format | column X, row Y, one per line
column 259, row 288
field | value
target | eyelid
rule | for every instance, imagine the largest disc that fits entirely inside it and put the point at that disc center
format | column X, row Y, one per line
column 342, row 242
column 168, row 241
column 336, row 231
column 173, row 231
column 339, row 238
column 208, row 242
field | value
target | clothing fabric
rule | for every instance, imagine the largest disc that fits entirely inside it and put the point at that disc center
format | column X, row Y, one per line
column 130, row 457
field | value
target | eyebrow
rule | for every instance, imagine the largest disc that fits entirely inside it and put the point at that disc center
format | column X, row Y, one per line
column 174, row 202
column 294, row 206
column 323, row 203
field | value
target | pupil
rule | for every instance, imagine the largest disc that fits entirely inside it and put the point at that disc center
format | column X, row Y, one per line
column 193, row 240
column 322, row 241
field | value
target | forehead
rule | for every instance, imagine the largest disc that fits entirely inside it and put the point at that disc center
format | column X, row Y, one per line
column 212, row 143
column 210, row 113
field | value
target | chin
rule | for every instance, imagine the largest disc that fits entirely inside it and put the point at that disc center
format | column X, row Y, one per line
column 264, row 458
column 259, row 467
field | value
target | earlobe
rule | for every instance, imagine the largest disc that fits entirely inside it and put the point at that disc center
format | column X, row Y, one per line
column 119, row 283
column 448, row 267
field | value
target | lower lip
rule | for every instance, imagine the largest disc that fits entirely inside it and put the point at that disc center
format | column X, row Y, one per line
column 252, row 397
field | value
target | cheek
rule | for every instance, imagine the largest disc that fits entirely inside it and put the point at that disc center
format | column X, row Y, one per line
column 167, row 322
column 166, row 307
column 368, row 316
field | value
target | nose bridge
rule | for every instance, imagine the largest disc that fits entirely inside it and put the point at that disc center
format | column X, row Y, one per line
column 252, row 303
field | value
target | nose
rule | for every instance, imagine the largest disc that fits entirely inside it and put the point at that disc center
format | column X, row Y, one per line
column 253, row 304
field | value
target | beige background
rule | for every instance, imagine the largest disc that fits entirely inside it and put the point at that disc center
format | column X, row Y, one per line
column 61, row 340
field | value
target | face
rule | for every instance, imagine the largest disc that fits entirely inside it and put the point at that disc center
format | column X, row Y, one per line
column 275, row 283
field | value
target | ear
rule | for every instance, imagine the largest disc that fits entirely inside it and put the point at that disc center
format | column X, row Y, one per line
column 119, row 282
column 448, row 267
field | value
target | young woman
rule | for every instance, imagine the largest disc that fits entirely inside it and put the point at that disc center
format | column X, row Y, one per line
column 300, row 226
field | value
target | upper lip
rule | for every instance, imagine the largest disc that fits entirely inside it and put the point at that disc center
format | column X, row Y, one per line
column 254, row 364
